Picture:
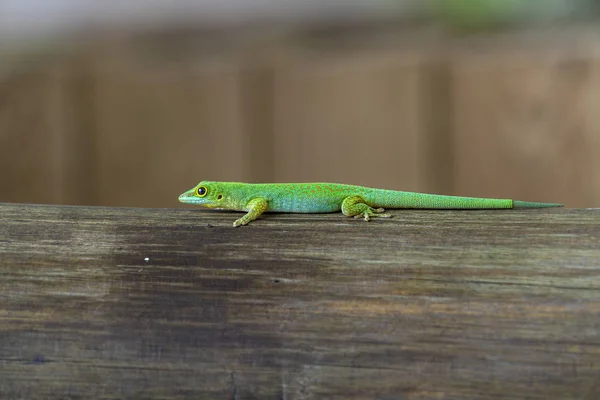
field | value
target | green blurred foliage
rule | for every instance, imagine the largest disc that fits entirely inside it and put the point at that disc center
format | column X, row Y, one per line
column 488, row 14
column 479, row 14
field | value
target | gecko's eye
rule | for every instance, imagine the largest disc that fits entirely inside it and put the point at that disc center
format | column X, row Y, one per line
column 201, row 191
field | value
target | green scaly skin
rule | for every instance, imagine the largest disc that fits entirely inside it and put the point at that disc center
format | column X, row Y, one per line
column 353, row 201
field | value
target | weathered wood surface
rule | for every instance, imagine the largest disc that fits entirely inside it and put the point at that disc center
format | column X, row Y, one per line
column 162, row 303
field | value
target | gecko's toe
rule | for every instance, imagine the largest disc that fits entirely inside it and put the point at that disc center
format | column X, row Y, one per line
column 367, row 215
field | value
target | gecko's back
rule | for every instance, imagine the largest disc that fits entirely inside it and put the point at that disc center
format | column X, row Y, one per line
column 300, row 197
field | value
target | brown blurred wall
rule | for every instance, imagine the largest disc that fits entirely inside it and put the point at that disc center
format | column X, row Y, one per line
column 133, row 123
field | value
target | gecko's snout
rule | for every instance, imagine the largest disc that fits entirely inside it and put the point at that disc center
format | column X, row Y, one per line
column 189, row 198
column 184, row 197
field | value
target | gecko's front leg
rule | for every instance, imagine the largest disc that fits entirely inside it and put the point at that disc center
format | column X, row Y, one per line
column 355, row 206
column 255, row 208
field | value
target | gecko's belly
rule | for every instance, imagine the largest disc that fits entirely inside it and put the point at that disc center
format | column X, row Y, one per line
column 304, row 205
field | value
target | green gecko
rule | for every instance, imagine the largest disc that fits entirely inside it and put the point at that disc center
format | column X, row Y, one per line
column 353, row 201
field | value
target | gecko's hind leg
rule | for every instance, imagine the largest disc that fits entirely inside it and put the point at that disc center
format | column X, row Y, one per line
column 355, row 206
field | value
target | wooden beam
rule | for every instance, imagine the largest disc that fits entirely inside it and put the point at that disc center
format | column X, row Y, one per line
column 164, row 303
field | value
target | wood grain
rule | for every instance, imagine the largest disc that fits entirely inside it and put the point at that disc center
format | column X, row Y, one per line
column 162, row 303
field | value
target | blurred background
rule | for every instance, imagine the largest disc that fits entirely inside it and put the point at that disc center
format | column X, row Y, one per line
column 131, row 102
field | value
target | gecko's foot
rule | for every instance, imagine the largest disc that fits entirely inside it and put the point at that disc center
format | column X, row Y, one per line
column 240, row 222
column 355, row 206
column 255, row 208
column 367, row 214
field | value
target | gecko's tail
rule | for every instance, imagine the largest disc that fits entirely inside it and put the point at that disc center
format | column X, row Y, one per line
column 530, row 204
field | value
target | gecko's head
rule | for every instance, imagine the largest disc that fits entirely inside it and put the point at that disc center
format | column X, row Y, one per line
column 205, row 194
